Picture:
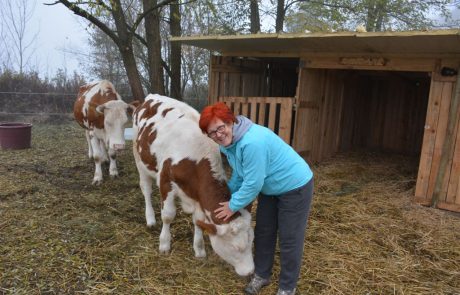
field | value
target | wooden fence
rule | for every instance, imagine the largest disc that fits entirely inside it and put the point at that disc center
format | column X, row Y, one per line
column 275, row 113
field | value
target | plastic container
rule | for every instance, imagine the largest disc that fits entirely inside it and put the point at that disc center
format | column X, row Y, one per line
column 15, row 135
column 128, row 133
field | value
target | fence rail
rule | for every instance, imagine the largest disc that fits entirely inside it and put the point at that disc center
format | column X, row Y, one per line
column 272, row 112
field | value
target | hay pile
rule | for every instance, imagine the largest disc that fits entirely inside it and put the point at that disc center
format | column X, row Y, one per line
column 61, row 235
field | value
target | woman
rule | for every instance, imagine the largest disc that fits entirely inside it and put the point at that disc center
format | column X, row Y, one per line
column 263, row 164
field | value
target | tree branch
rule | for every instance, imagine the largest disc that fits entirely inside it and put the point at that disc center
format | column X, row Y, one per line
column 141, row 16
column 91, row 18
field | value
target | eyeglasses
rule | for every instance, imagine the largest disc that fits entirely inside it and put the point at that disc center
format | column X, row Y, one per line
column 213, row 134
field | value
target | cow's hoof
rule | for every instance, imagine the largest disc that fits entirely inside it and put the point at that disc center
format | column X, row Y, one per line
column 97, row 181
column 151, row 223
column 164, row 251
column 114, row 175
column 200, row 254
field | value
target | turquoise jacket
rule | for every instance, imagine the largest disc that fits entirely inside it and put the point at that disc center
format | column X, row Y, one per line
column 263, row 163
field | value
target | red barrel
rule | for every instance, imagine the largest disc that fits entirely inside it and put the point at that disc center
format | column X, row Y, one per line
column 15, row 135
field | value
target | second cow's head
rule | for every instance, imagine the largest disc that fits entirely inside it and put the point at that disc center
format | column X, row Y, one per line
column 115, row 117
column 233, row 241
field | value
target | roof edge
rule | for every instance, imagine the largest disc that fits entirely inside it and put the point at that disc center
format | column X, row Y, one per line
column 449, row 32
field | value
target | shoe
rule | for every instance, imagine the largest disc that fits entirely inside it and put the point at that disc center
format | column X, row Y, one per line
column 286, row 292
column 256, row 284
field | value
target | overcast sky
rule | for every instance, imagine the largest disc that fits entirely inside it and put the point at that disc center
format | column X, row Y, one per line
column 61, row 38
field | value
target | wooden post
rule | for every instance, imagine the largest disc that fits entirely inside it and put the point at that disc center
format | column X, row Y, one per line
column 447, row 148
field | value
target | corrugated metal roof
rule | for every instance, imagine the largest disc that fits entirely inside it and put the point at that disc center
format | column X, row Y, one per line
column 425, row 43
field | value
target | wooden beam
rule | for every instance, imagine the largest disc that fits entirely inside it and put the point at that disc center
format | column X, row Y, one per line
column 363, row 61
column 449, row 206
column 447, row 149
column 421, row 201
column 383, row 63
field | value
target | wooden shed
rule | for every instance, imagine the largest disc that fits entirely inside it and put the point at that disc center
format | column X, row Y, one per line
column 330, row 92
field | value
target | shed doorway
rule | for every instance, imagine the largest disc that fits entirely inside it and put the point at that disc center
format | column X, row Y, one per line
column 347, row 110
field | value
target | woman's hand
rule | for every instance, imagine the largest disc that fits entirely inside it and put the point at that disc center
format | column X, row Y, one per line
column 224, row 212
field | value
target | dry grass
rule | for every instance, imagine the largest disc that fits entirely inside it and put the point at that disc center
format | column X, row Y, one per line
column 61, row 235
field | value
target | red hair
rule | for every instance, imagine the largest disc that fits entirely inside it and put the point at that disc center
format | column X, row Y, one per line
column 218, row 110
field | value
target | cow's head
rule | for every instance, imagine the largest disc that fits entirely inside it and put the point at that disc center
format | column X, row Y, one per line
column 115, row 118
column 233, row 242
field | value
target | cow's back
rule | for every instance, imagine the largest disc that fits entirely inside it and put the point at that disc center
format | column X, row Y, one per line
column 167, row 129
column 89, row 97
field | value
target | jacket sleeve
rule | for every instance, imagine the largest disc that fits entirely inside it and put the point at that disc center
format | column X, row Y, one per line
column 234, row 183
column 254, row 163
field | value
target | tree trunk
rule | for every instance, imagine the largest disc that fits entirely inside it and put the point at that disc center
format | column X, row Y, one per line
column 371, row 16
column 132, row 72
column 280, row 15
column 381, row 13
column 124, row 43
column 153, row 38
column 175, row 19
column 255, row 19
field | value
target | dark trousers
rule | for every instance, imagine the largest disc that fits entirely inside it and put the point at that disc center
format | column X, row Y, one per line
column 284, row 216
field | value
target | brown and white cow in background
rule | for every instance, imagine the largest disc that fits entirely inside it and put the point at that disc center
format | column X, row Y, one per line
column 170, row 148
column 101, row 111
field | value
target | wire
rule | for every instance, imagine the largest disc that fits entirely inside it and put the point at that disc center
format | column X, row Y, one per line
column 37, row 93
column 60, row 114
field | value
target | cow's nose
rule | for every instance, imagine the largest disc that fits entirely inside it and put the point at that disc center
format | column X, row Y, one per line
column 245, row 270
column 118, row 147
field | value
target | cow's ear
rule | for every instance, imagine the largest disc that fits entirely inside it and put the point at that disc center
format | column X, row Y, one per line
column 241, row 222
column 100, row 108
column 222, row 229
column 208, row 228
column 135, row 103
column 132, row 106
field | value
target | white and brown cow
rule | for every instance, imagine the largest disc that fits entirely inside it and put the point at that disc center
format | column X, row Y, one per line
column 101, row 111
column 170, row 148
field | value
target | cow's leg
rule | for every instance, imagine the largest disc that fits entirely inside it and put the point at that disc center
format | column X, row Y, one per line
column 105, row 157
column 168, row 212
column 145, row 182
column 88, row 140
column 198, row 241
column 97, row 154
column 113, row 171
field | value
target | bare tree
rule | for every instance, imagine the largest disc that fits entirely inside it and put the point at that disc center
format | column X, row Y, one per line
column 123, row 35
column 175, row 55
column 106, row 61
column 375, row 15
column 280, row 15
column 153, row 39
column 255, row 18
column 18, row 38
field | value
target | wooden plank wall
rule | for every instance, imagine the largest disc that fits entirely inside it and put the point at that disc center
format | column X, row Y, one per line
column 236, row 77
column 452, row 197
column 309, row 98
column 441, row 93
column 244, row 77
column 272, row 112
column 319, row 108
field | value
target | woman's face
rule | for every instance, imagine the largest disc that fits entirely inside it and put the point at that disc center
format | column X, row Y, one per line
column 220, row 132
